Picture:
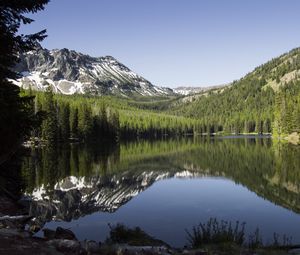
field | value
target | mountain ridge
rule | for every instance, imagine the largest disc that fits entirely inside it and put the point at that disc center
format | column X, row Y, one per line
column 69, row 72
column 263, row 101
column 189, row 90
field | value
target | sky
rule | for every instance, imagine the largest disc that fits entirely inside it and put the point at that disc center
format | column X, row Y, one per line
column 174, row 42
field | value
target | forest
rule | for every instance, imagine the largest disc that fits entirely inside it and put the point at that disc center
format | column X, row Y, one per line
column 264, row 101
column 287, row 109
column 91, row 118
column 250, row 105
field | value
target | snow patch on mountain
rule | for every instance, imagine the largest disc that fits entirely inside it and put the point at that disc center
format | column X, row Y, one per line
column 185, row 91
column 69, row 72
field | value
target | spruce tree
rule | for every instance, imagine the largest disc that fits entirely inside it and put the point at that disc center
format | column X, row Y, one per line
column 49, row 125
column 85, row 122
column 16, row 116
column 277, row 124
column 74, row 122
column 64, row 121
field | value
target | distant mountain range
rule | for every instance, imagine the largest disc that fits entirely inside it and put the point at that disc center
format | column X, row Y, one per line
column 195, row 90
column 69, row 72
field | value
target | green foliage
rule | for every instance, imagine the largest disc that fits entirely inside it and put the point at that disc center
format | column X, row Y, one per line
column 222, row 232
column 250, row 105
column 16, row 115
column 243, row 107
column 87, row 117
column 215, row 232
column 131, row 236
column 287, row 109
column 253, row 103
column 64, row 121
column 85, row 121
column 49, row 124
column 73, row 120
column 271, row 171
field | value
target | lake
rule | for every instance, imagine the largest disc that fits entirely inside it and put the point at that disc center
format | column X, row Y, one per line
column 166, row 187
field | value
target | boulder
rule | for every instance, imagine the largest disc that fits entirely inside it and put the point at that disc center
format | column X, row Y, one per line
column 64, row 245
column 49, row 234
column 91, row 246
column 62, row 233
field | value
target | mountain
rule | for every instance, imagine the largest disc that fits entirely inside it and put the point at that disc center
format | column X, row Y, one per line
column 69, row 72
column 266, row 100
column 194, row 90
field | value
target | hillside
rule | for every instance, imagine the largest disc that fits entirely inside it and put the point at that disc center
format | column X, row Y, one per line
column 264, row 101
column 69, row 72
column 255, row 103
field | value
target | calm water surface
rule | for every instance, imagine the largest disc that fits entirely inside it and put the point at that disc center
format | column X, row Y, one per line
column 166, row 187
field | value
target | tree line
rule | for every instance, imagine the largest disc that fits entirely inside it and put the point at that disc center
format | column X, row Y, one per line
column 62, row 120
column 264, row 101
column 243, row 107
column 252, row 104
column 248, row 106
column 89, row 118
column 287, row 109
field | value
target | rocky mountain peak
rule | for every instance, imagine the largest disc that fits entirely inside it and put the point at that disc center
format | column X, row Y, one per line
column 69, row 72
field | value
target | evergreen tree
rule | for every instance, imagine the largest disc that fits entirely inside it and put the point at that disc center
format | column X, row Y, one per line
column 74, row 122
column 85, row 122
column 114, row 125
column 259, row 126
column 277, row 125
column 103, row 119
column 267, row 126
column 64, row 121
column 16, row 115
column 49, row 125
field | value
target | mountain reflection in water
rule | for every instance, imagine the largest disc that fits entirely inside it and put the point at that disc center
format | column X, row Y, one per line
column 71, row 182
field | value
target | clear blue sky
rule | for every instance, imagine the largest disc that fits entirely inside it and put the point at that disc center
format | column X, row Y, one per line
column 175, row 42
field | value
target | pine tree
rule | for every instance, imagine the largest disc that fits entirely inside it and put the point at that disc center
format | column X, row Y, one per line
column 49, row 125
column 277, row 124
column 85, row 122
column 74, row 122
column 267, row 126
column 259, row 126
column 115, row 125
column 103, row 120
column 16, row 115
column 64, row 121
column 297, row 113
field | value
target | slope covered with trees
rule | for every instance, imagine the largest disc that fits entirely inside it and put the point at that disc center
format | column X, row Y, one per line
column 287, row 109
column 266, row 100
column 92, row 118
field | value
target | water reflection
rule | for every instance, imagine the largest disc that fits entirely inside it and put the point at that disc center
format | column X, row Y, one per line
column 71, row 181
